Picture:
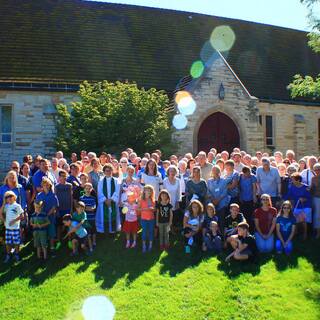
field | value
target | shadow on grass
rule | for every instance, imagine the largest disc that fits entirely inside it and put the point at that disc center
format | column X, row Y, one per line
column 113, row 262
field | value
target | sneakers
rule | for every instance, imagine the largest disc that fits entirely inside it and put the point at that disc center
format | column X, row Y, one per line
column 150, row 247
column 144, row 248
column 7, row 259
column 128, row 245
column 133, row 244
column 162, row 248
column 187, row 249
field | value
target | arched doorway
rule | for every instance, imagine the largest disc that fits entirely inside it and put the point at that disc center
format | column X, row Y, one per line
column 218, row 131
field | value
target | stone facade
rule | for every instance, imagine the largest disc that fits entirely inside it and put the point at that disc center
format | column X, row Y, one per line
column 33, row 121
column 295, row 126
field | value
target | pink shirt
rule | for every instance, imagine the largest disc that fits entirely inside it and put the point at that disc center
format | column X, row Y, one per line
column 131, row 215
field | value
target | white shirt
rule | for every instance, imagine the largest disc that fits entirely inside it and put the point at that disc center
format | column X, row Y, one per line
column 174, row 191
column 307, row 175
column 155, row 181
column 12, row 211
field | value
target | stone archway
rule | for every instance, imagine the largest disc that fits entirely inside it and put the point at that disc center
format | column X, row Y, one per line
column 218, row 131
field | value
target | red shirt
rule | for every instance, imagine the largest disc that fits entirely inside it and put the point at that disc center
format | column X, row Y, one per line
column 147, row 214
column 265, row 218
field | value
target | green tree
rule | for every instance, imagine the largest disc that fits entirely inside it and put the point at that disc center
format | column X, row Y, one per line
column 308, row 86
column 113, row 116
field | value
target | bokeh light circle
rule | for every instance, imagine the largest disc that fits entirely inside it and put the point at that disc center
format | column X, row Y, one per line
column 197, row 69
column 222, row 38
column 179, row 121
column 180, row 95
column 98, row 308
column 187, row 106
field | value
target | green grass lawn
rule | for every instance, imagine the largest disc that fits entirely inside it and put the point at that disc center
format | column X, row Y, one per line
column 163, row 286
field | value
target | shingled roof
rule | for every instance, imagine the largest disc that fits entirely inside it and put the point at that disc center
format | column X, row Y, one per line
column 73, row 40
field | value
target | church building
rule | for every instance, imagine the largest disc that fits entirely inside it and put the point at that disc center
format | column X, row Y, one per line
column 48, row 47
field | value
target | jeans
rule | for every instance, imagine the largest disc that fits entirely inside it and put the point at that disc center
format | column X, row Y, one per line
column 264, row 245
column 147, row 229
column 288, row 249
column 164, row 234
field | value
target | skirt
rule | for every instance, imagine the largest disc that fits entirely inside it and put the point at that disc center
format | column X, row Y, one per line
column 130, row 227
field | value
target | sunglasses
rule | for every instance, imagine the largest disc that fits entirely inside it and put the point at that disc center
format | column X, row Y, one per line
column 7, row 197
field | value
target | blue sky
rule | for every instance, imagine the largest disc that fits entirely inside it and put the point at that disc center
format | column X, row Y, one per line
column 285, row 13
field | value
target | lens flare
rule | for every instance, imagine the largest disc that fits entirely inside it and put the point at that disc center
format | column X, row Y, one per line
column 179, row 121
column 187, row 106
column 222, row 38
column 98, row 308
column 208, row 54
column 181, row 95
column 197, row 69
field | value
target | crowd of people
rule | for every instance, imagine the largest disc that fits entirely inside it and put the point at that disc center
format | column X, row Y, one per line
column 215, row 202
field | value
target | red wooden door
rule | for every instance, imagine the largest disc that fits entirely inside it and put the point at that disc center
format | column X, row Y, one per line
column 218, row 131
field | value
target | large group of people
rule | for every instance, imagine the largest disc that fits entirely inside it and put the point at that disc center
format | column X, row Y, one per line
column 214, row 201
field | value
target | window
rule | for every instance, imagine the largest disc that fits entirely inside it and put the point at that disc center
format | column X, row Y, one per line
column 5, row 124
column 268, row 128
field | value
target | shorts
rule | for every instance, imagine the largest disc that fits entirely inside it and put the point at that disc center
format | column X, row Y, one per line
column 81, row 241
column 130, row 227
column 13, row 237
column 92, row 227
column 52, row 232
column 40, row 239
column 303, row 215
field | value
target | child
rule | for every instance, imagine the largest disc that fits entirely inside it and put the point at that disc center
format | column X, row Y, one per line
column 192, row 224
column 211, row 238
column 78, row 234
column 244, row 244
column 146, row 209
column 130, row 225
column 50, row 204
column 39, row 222
column 11, row 213
column 63, row 191
column 209, row 217
column 232, row 220
column 285, row 227
column 164, row 218
column 80, row 216
column 90, row 202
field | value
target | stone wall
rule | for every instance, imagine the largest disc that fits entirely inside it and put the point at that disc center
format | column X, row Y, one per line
column 296, row 127
column 33, row 123
column 237, row 104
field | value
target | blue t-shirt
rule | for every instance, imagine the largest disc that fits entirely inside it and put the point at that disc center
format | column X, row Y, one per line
column 50, row 200
column 207, row 221
column 229, row 180
column 81, row 232
column 91, row 202
column 285, row 226
column 37, row 178
column 246, row 188
column 19, row 192
column 74, row 181
column 294, row 193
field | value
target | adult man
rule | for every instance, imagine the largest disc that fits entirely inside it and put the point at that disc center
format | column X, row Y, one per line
column 15, row 166
column 54, row 168
column 238, row 165
column 308, row 173
column 73, row 178
column 43, row 172
column 205, row 166
column 268, row 180
column 108, row 194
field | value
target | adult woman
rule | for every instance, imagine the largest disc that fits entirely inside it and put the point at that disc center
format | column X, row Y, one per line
column 96, row 174
column 30, row 195
column 123, row 168
column 265, row 222
column 315, row 192
column 190, row 164
column 302, row 165
column 218, row 194
column 152, row 177
column 196, row 187
column 172, row 185
column 11, row 184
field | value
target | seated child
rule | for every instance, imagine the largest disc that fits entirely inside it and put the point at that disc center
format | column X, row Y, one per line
column 39, row 222
column 232, row 221
column 11, row 213
column 80, row 216
column 192, row 225
column 209, row 217
column 243, row 243
column 211, row 238
column 285, row 227
column 77, row 233
column 90, row 202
